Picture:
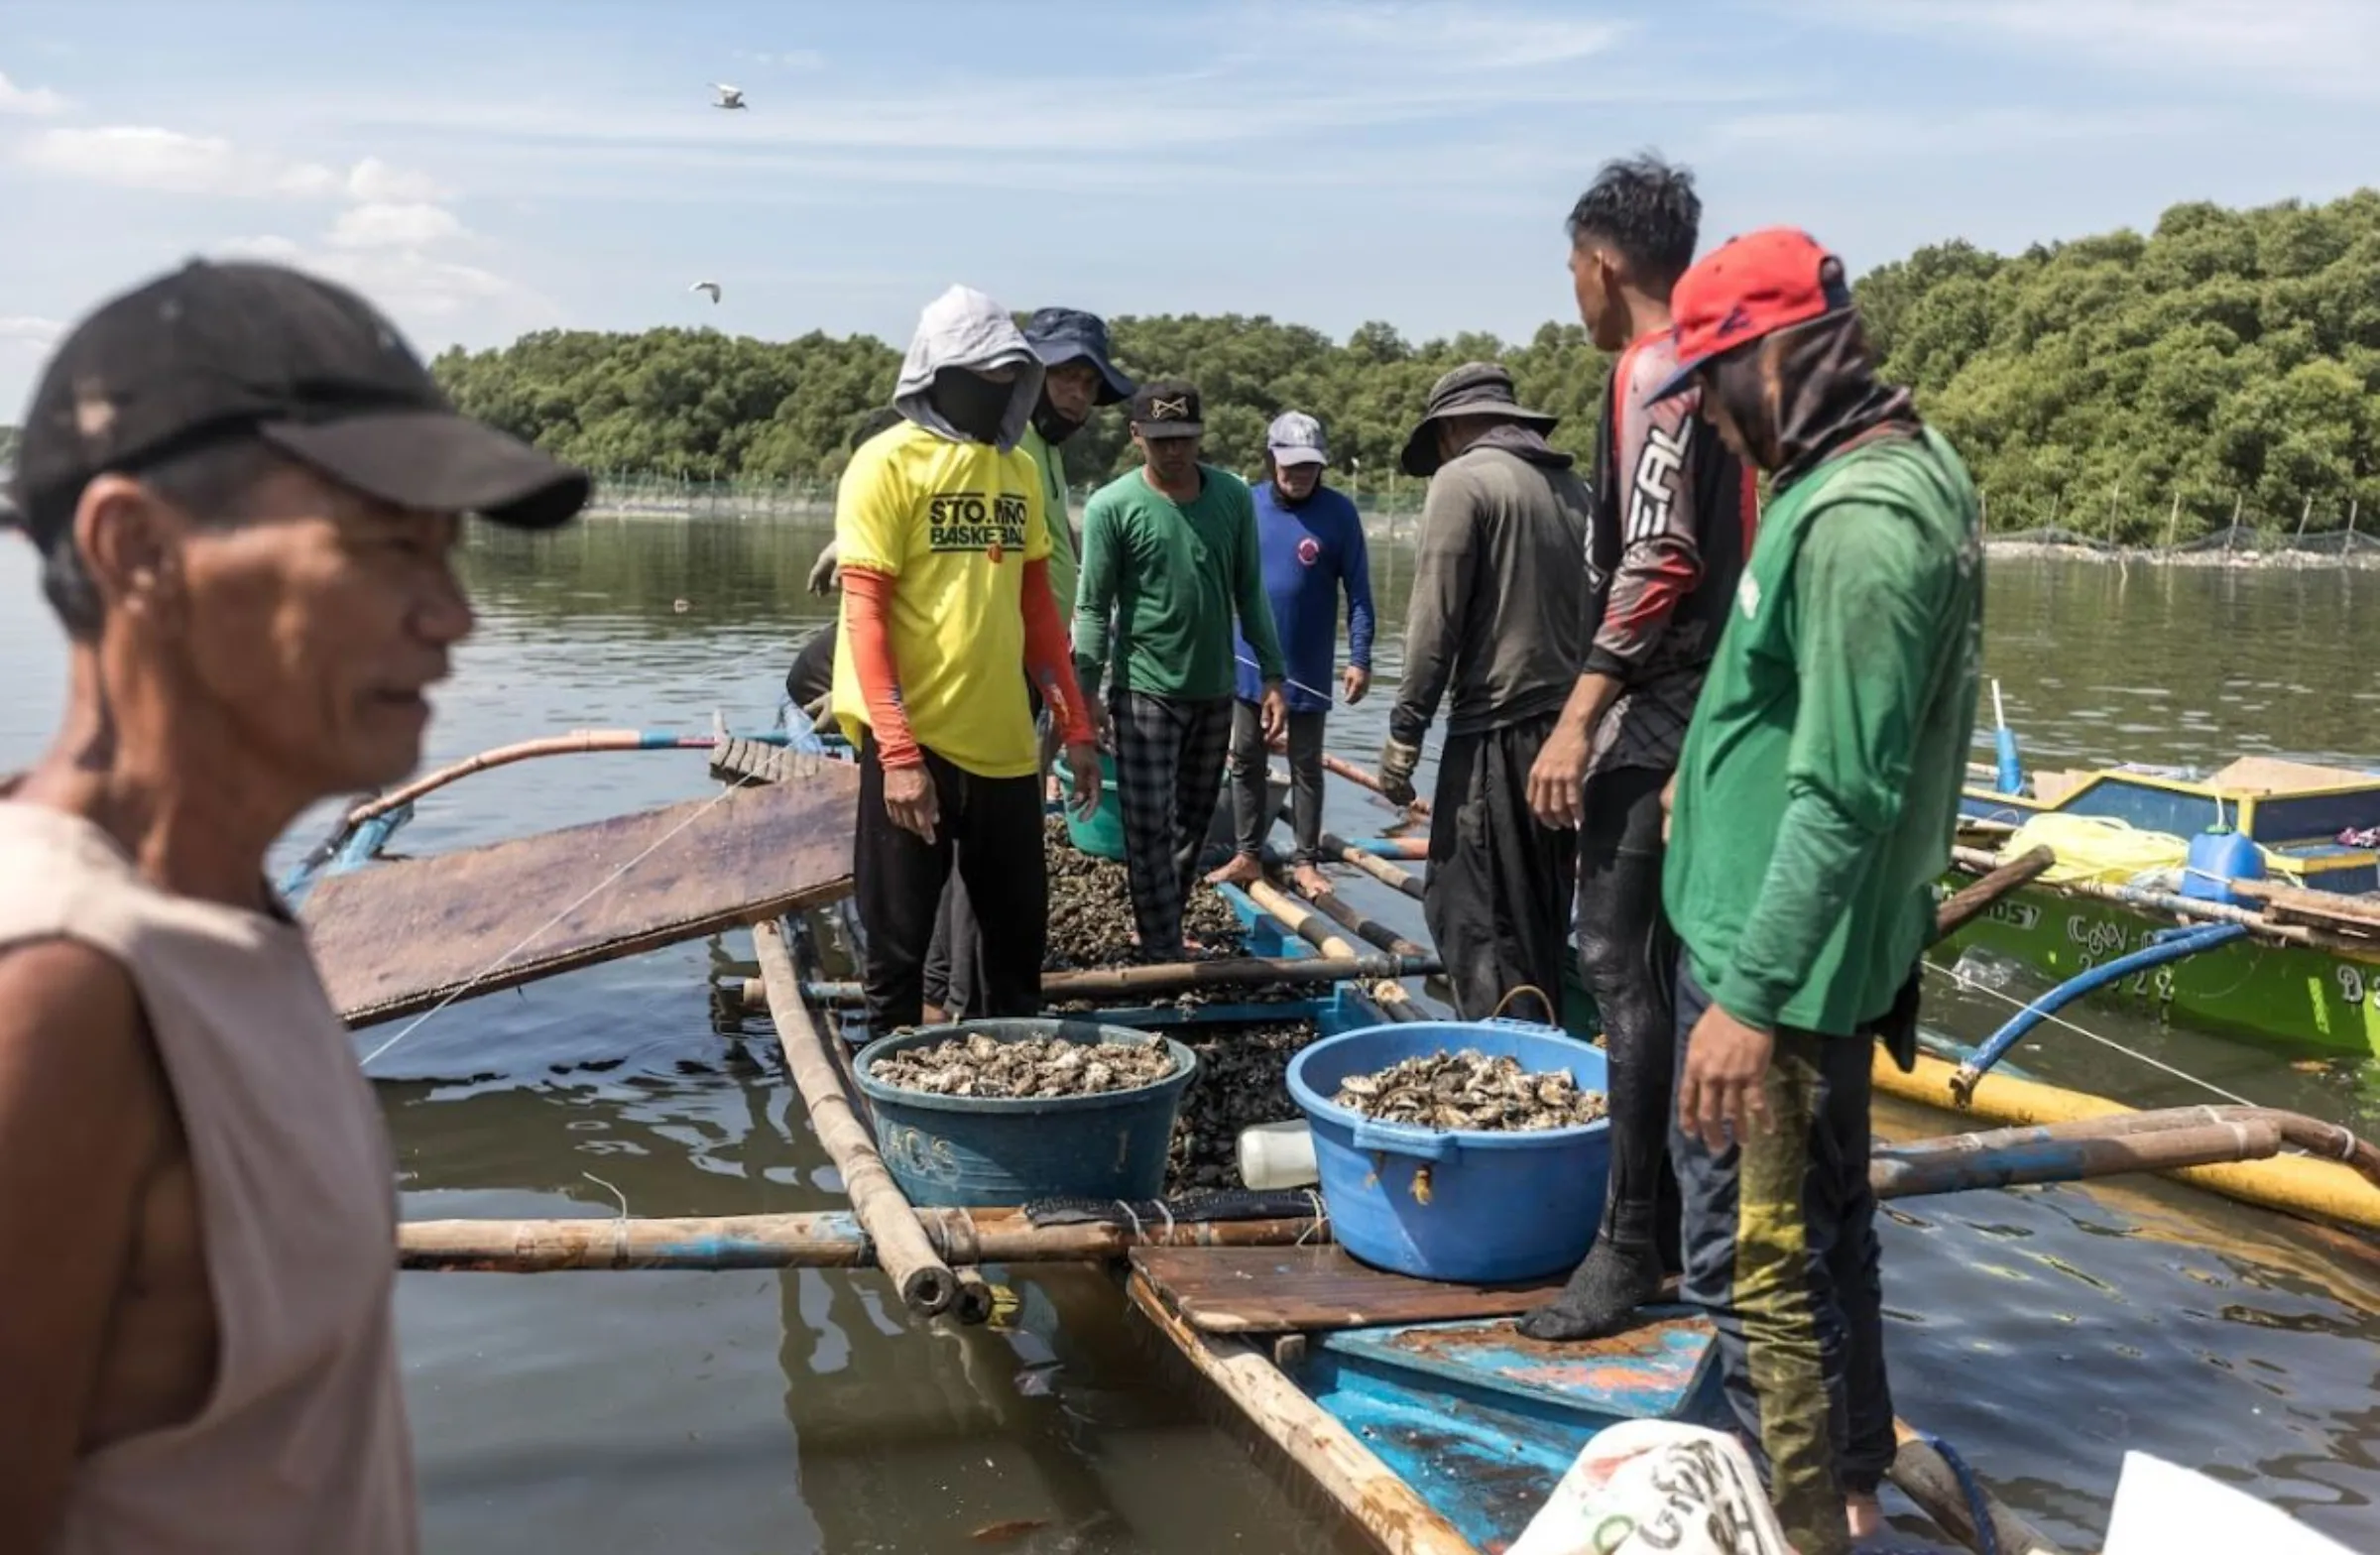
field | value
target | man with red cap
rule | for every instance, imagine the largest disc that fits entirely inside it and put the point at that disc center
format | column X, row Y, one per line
column 1813, row 810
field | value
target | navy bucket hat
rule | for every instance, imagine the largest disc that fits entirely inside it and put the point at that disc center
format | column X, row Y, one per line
column 1068, row 334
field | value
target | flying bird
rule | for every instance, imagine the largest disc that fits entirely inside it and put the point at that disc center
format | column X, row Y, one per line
column 710, row 287
column 729, row 96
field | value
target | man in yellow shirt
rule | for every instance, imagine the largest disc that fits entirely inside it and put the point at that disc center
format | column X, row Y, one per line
column 943, row 543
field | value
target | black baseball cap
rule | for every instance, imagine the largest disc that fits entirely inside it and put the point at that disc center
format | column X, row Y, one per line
column 310, row 368
column 1167, row 409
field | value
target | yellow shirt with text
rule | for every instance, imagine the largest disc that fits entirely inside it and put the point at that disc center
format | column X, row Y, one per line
column 953, row 523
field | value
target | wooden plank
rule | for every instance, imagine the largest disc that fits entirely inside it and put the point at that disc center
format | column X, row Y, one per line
column 2270, row 774
column 1272, row 1290
column 404, row 936
column 1388, row 1510
column 2320, row 908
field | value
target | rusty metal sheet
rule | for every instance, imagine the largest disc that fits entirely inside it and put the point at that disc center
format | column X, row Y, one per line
column 399, row 937
column 1270, row 1290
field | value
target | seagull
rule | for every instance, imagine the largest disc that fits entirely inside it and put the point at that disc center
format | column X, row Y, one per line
column 729, row 96
column 710, row 287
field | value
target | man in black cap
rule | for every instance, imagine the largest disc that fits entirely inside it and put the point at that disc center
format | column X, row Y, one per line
column 245, row 490
column 1170, row 552
column 1495, row 619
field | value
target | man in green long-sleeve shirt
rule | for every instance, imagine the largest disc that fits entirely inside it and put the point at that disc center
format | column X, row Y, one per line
column 1169, row 552
column 1813, row 810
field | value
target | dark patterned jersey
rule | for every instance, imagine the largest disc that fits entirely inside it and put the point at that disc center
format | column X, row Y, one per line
column 1671, row 524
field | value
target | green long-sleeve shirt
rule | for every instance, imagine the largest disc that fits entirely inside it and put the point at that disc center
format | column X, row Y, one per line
column 1819, row 784
column 1169, row 576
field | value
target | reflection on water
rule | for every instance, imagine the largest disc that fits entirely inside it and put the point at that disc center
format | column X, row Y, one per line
column 2043, row 1332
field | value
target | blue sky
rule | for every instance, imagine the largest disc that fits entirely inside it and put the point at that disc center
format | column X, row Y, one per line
column 489, row 167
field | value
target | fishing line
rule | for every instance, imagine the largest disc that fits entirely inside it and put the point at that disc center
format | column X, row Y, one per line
column 498, row 965
column 2104, row 1041
column 1294, row 686
column 550, row 924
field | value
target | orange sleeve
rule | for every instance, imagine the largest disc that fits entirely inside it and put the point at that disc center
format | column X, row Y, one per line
column 867, row 599
column 1046, row 657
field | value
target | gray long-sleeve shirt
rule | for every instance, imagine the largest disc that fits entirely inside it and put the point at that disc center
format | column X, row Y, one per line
column 1498, row 589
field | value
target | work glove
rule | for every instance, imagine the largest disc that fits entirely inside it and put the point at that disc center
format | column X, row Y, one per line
column 824, row 573
column 1397, row 760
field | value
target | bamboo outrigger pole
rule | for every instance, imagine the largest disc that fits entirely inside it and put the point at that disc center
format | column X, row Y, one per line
column 1379, row 868
column 1175, row 976
column 925, row 1283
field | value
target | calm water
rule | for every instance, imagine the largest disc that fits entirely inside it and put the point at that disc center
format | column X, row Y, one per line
column 2044, row 1331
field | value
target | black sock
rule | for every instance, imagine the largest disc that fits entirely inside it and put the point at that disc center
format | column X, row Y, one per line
column 1615, row 1279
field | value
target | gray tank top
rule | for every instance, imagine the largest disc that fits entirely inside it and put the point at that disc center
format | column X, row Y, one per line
column 300, row 1448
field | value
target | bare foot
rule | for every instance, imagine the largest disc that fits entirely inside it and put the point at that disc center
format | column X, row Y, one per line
column 1866, row 1516
column 1310, row 882
column 1242, row 870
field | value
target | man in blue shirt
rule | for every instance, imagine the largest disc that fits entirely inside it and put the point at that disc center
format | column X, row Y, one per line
column 1311, row 539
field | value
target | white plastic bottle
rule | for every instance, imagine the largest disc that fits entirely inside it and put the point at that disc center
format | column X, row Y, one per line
column 1278, row 1155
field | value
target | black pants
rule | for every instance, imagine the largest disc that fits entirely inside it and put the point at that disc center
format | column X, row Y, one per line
column 1629, row 960
column 1497, row 893
column 1781, row 1252
column 1169, row 754
column 954, row 958
column 1251, row 761
column 990, row 831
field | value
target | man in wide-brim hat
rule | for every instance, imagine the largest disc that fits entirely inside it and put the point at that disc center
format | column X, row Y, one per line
column 1495, row 624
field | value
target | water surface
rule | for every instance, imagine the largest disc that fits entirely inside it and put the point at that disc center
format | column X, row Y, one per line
column 2043, row 1332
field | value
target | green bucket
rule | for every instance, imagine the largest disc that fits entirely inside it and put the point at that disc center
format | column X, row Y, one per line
column 1102, row 836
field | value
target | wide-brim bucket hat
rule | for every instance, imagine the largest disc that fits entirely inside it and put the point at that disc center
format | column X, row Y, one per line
column 1068, row 334
column 1474, row 389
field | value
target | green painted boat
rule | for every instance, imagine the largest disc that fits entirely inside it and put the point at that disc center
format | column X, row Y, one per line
column 2305, row 975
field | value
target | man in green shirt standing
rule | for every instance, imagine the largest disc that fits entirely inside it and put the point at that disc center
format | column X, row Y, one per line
column 1812, row 811
column 1169, row 552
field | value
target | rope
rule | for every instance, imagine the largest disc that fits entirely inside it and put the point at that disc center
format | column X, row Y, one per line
column 2104, row 1041
column 541, row 931
column 1320, row 1218
column 1978, row 1508
column 1293, row 684
column 1510, row 994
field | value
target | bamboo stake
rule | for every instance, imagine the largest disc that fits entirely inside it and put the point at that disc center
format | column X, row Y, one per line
column 2173, row 518
column 1970, row 902
column 925, row 1283
column 1380, row 870
column 1301, row 918
column 816, row 1240
column 1369, row 929
column 1363, row 779
column 1398, row 1520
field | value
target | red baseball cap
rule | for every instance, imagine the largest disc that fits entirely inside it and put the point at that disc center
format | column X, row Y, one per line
column 1747, row 288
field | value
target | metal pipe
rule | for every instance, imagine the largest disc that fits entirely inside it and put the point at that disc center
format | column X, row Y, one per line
column 2170, row 945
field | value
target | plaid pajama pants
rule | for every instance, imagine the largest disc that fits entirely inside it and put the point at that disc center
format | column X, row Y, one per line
column 1169, row 754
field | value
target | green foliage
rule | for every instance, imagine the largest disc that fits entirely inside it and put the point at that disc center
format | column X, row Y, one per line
column 2228, row 357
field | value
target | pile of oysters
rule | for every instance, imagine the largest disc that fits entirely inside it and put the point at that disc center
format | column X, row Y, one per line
column 1468, row 1090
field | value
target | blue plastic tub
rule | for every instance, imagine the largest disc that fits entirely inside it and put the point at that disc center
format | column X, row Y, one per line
column 1102, row 836
column 1455, row 1204
column 979, row 1150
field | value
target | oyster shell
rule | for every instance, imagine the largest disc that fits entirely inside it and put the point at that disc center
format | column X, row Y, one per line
column 1468, row 1090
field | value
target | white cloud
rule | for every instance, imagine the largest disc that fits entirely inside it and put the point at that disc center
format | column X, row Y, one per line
column 373, row 179
column 408, row 224
column 1439, row 38
column 28, row 99
column 2323, row 46
column 412, row 284
column 23, row 329
column 1881, row 136
column 144, row 157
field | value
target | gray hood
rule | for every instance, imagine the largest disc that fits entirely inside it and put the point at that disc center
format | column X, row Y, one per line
column 965, row 328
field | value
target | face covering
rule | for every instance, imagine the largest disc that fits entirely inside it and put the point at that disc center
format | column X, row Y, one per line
column 974, row 405
column 1052, row 424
